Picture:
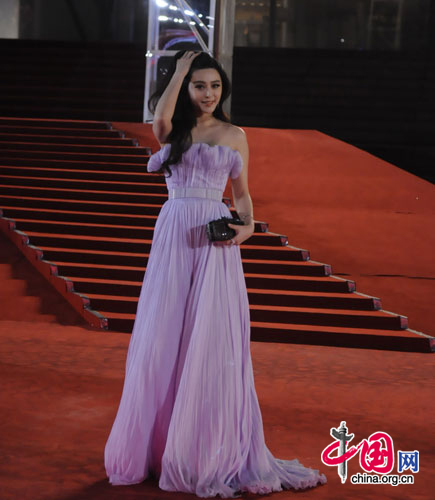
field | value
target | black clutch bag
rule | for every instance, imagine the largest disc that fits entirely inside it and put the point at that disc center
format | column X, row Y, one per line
column 218, row 230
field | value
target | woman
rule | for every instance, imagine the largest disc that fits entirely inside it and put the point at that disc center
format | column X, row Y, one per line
column 189, row 414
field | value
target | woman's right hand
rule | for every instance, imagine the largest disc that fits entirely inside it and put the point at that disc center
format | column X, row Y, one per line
column 185, row 61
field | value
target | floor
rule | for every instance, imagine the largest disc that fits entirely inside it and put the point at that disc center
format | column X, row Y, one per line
column 61, row 385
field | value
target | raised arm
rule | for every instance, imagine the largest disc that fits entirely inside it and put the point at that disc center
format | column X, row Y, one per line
column 162, row 122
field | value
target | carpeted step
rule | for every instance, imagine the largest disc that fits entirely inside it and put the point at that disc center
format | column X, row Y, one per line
column 69, row 164
column 138, row 220
column 107, row 186
column 361, row 338
column 118, row 272
column 324, row 284
column 295, row 300
column 79, row 133
column 28, row 139
column 139, row 156
column 368, row 338
column 116, row 149
column 290, row 261
column 70, row 229
column 101, row 207
column 82, row 194
column 61, row 124
column 74, row 174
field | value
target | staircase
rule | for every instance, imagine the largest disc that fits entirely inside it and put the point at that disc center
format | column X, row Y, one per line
column 76, row 198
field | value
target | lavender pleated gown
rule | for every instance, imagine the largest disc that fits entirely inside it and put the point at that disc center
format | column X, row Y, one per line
column 189, row 413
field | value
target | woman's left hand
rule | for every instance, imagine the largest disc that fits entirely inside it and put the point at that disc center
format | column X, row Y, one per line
column 242, row 233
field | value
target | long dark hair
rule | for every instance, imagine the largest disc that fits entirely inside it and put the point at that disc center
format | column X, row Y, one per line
column 184, row 118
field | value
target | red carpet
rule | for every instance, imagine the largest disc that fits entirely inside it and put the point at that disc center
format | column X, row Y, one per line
column 62, row 380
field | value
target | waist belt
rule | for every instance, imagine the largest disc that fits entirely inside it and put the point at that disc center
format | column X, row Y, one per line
column 192, row 192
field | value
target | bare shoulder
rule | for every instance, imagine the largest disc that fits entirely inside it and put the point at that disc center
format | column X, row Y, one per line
column 236, row 136
column 239, row 139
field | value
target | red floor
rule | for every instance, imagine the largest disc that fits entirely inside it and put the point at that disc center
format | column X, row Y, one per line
column 61, row 381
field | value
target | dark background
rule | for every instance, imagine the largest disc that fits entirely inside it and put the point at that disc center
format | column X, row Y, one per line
column 366, row 76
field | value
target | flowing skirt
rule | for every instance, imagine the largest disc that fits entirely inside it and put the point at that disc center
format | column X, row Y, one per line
column 189, row 413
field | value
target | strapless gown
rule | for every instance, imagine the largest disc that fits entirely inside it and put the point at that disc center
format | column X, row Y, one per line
column 189, row 414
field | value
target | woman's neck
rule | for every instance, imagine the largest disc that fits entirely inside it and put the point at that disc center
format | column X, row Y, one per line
column 205, row 121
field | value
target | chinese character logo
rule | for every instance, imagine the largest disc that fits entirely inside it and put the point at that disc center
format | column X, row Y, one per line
column 407, row 460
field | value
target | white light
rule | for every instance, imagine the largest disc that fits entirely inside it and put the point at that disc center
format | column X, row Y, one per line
column 188, row 13
column 201, row 24
column 163, row 18
column 342, row 40
column 199, row 15
column 210, row 25
column 161, row 3
column 172, row 7
column 192, row 22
